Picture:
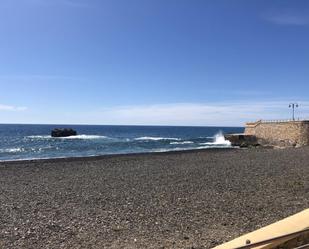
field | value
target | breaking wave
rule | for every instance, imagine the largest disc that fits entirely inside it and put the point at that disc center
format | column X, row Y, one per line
column 218, row 139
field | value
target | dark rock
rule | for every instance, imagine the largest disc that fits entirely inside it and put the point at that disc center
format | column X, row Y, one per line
column 243, row 145
column 63, row 132
column 242, row 140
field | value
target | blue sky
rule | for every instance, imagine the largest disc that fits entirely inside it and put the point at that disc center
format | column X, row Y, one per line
column 165, row 62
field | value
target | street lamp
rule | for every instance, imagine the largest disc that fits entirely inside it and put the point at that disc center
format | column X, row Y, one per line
column 293, row 106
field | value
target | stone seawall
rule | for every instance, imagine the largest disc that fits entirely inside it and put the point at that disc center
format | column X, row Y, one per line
column 286, row 133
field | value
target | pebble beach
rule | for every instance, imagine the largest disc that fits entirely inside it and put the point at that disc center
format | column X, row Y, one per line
column 188, row 199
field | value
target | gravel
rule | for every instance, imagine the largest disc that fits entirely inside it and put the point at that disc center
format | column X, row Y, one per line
column 193, row 199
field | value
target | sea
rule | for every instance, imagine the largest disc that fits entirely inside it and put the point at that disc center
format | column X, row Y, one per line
column 20, row 142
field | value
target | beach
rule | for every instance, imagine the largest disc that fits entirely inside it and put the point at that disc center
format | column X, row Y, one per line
column 188, row 199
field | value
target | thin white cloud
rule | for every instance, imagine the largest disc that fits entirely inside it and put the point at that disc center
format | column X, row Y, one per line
column 179, row 114
column 12, row 108
column 233, row 114
column 287, row 18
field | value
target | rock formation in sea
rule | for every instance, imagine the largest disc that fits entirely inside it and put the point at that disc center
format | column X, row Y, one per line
column 63, row 132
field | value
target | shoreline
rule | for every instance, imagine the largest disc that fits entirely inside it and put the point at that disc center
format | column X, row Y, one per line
column 94, row 157
column 178, row 199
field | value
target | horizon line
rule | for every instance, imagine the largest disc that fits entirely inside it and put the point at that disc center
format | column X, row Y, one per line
column 197, row 126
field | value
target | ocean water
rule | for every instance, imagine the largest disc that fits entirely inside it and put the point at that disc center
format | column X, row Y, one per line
column 34, row 141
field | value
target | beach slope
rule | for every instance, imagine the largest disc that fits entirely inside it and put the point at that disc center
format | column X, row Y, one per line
column 194, row 199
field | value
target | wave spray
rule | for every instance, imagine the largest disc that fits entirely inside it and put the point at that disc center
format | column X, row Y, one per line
column 220, row 139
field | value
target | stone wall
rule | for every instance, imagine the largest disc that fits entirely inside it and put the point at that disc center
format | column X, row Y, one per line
column 286, row 133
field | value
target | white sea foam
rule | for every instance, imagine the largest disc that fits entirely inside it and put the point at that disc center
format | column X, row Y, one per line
column 156, row 138
column 210, row 146
column 183, row 142
column 170, row 149
column 49, row 147
column 184, row 149
column 32, row 149
column 83, row 136
column 40, row 137
column 12, row 150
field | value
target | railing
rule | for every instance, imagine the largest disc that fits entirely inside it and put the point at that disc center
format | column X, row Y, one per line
column 277, row 121
column 265, row 242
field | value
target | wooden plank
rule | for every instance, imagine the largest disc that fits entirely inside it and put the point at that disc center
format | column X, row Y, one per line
column 294, row 223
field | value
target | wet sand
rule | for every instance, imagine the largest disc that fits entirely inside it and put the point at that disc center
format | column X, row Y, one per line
column 194, row 199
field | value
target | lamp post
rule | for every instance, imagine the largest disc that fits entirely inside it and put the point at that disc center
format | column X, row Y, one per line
column 293, row 106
